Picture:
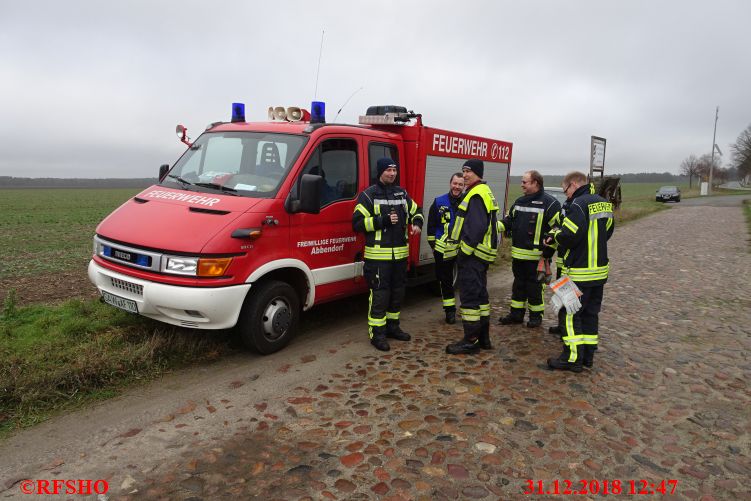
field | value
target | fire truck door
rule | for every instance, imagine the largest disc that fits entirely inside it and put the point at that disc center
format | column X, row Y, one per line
column 326, row 241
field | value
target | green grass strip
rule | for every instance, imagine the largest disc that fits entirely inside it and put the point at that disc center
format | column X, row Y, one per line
column 55, row 358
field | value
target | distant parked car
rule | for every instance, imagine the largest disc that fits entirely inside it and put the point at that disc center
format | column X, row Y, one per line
column 557, row 193
column 668, row 194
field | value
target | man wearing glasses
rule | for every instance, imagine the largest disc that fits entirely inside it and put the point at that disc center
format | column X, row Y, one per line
column 475, row 234
column 583, row 240
column 531, row 216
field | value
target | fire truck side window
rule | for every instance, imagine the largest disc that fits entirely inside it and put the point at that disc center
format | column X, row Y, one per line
column 377, row 151
column 336, row 161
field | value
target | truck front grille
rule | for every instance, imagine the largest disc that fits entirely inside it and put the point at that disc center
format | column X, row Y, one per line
column 127, row 286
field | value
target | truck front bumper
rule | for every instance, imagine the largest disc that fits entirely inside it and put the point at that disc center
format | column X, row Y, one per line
column 194, row 307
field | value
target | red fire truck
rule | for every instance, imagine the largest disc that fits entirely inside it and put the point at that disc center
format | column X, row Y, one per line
column 253, row 223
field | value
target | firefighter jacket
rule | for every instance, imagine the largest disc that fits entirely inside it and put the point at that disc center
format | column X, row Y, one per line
column 583, row 238
column 528, row 220
column 441, row 216
column 475, row 230
column 385, row 241
column 547, row 252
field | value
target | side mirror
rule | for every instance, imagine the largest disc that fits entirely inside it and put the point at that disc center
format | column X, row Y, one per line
column 163, row 170
column 310, row 193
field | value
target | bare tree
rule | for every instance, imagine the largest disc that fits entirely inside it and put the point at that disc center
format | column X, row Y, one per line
column 703, row 168
column 742, row 153
column 690, row 168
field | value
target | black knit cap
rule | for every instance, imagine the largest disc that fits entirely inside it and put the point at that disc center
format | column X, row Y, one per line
column 384, row 163
column 476, row 166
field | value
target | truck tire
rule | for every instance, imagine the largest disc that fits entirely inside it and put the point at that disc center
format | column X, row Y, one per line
column 269, row 317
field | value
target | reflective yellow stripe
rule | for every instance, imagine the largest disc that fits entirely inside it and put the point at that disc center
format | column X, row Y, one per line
column 525, row 254
column 538, row 307
column 369, row 224
column 588, row 274
column 387, row 253
column 362, row 210
column 467, row 249
column 449, row 302
column 469, row 314
column 484, row 310
column 458, row 223
column 518, row 304
column 554, row 220
column 392, row 316
column 570, row 225
column 570, row 338
column 538, row 230
column 588, row 339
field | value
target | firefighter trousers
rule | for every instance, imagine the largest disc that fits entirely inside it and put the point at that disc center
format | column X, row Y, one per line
column 444, row 272
column 473, row 294
column 387, row 282
column 581, row 328
column 526, row 292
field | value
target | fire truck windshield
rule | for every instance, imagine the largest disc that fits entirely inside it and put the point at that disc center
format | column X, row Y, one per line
column 251, row 164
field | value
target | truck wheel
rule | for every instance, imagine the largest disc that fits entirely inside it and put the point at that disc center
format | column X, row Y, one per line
column 269, row 317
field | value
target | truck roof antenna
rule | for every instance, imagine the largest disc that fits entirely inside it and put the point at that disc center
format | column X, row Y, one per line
column 318, row 71
column 345, row 103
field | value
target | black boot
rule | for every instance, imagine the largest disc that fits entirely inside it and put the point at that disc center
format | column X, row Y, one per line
column 589, row 355
column 393, row 331
column 451, row 317
column 465, row 346
column 562, row 363
column 534, row 321
column 470, row 343
column 485, row 333
column 556, row 329
column 515, row 317
column 379, row 341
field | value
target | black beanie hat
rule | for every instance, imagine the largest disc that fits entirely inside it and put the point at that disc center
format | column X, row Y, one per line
column 476, row 166
column 384, row 163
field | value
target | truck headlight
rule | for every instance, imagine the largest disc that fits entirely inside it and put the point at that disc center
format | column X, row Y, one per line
column 196, row 266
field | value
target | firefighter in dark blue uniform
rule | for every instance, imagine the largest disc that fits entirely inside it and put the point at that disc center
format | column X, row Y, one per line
column 440, row 219
column 531, row 216
column 583, row 238
column 475, row 233
column 385, row 212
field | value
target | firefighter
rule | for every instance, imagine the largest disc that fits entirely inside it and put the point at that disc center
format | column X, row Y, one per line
column 440, row 218
column 475, row 232
column 583, row 238
column 384, row 212
column 531, row 216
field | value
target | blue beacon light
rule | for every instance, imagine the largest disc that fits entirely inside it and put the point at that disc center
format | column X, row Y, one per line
column 317, row 112
column 238, row 112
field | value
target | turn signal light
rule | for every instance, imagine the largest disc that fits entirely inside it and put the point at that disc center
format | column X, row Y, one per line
column 213, row 267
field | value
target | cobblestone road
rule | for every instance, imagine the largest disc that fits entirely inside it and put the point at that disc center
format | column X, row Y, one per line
column 668, row 398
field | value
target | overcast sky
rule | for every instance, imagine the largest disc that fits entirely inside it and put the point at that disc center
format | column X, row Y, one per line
column 95, row 88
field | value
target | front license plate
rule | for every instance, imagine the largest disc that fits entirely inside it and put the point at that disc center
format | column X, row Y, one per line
column 120, row 302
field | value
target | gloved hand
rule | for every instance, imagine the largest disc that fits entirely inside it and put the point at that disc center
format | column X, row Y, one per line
column 572, row 304
column 566, row 294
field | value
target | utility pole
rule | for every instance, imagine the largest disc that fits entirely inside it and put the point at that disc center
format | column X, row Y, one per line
column 714, row 136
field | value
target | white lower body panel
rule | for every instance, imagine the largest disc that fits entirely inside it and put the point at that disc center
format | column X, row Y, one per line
column 196, row 307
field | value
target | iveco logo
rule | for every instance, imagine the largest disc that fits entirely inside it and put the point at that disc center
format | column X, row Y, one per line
column 122, row 255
